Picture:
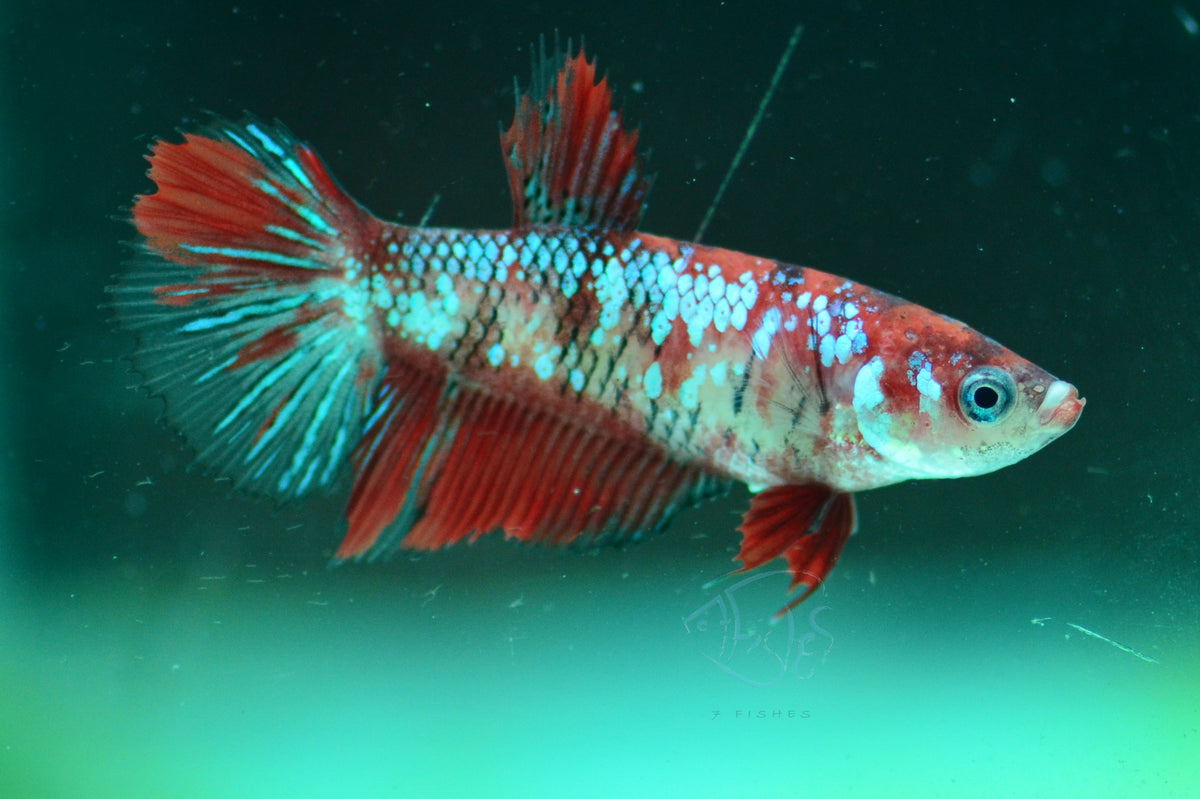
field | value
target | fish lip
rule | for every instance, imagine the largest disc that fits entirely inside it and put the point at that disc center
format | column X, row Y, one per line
column 1061, row 405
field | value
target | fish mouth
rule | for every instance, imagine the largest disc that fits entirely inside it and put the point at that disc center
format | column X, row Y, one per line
column 1061, row 406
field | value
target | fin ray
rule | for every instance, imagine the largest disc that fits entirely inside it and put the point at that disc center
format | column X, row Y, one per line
column 470, row 462
column 570, row 160
column 806, row 524
column 244, row 311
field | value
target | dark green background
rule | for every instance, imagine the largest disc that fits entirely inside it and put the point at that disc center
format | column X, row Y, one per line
column 1032, row 171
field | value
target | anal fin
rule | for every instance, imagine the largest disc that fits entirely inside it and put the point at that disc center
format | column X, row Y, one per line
column 806, row 524
column 394, row 451
column 446, row 461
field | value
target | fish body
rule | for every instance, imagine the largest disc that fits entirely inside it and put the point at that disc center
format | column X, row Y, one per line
column 567, row 378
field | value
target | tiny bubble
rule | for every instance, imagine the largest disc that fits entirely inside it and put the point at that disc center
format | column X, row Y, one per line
column 1054, row 171
column 981, row 174
column 135, row 503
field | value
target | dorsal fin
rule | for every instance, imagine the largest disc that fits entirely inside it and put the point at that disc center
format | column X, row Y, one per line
column 570, row 160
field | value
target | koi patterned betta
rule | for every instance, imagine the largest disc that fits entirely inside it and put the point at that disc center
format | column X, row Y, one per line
column 566, row 379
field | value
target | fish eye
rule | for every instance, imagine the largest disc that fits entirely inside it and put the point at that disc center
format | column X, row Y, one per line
column 987, row 394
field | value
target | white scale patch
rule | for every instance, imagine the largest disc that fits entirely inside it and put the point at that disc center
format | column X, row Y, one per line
column 826, row 349
column 717, row 373
column 569, row 285
column 697, row 294
column 716, row 287
column 544, row 366
column 930, row 389
column 867, row 392
column 837, row 333
column 676, row 289
column 428, row 316
column 611, row 292
column 652, row 381
column 428, row 321
column 689, row 390
column 445, row 287
column 660, row 326
column 721, row 315
column 496, row 355
column 701, row 318
column 765, row 333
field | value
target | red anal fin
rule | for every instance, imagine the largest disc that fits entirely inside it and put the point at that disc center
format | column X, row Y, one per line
column 393, row 451
column 434, row 471
column 570, row 160
column 807, row 524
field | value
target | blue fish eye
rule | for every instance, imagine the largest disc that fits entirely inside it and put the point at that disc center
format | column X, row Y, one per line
column 987, row 394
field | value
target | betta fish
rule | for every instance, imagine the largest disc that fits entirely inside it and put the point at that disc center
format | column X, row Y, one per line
column 568, row 378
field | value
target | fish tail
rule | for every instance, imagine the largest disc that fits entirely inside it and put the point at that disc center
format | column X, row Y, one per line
column 251, row 307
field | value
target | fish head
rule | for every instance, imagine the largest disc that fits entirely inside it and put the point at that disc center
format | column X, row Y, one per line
column 937, row 399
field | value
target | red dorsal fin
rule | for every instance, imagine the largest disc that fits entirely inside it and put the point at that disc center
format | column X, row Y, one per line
column 442, row 461
column 570, row 161
column 807, row 524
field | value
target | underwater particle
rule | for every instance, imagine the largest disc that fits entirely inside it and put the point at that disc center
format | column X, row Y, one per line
column 1186, row 20
column 1107, row 640
column 430, row 595
column 1054, row 172
column 981, row 174
column 135, row 503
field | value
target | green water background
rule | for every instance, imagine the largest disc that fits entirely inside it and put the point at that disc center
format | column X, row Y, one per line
column 1030, row 168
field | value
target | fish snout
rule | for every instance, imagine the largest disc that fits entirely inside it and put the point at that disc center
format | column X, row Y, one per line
column 1061, row 406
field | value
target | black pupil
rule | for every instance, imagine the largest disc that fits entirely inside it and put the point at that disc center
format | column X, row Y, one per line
column 986, row 397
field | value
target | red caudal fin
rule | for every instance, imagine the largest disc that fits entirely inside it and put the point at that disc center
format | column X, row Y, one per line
column 807, row 524
column 443, row 461
column 570, row 161
column 245, row 300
